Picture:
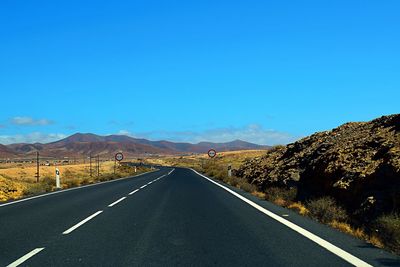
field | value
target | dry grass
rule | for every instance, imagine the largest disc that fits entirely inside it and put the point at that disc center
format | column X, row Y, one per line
column 27, row 172
column 376, row 241
column 258, row 194
column 10, row 189
column 299, row 208
column 280, row 202
column 235, row 158
column 18, row 180
column 278, row 195
column 357, row 232
column 388, row 230
column 326, row 210
column 348, row 229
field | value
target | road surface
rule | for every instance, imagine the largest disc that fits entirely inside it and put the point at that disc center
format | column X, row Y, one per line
column 170, row 217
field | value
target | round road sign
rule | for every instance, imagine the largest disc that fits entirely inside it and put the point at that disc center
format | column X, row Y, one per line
column 119, row 156
column 212, row 153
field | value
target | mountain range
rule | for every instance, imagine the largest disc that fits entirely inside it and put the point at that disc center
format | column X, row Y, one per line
column 81, row 144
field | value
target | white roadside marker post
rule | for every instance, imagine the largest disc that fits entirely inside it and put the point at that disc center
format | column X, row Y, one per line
column 58, row 185
column 229, row 170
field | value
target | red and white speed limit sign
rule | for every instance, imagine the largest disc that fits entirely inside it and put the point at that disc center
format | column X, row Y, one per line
column 119, row 156
column 212, row 153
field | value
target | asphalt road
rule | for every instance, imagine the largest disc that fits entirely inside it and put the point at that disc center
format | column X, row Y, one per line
column 166, row 218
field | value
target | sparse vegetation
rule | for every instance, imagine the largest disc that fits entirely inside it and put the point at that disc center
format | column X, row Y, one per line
column 326, row 210
column 299, row 208
column 388, row 230
column 46, row 184
column 219, row 170
column 17, row 186
column 281, row 196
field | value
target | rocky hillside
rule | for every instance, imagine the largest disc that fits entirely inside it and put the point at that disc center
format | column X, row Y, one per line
column 357, row 163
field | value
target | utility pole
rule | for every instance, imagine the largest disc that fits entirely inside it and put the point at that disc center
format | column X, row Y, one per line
column 37, row 167
column 90, row 164
column 98, row 165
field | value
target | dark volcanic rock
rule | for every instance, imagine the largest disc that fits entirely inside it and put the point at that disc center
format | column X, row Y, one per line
column 357, row 163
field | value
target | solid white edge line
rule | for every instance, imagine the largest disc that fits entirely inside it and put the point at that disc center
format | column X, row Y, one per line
column 133, row 192
column 81, row 223
column 25, row 257
column 323, row 243
column 116, row 202
column 70, row 189
column 143, row 186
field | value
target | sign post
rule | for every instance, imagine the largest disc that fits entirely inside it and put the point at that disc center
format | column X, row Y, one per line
column 212, row 153
column 118, row 157
column 58, row 185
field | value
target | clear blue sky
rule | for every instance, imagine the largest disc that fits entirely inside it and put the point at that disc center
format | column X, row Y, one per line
column 263, row 71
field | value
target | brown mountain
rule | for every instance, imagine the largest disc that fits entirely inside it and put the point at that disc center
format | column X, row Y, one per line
column 6, row 152
column 84, row 144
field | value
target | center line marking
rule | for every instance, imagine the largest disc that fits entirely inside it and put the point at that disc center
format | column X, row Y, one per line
column 133, row 192
column 116, row 202
column 143, row 186
column 25, row 258
column 81, row 223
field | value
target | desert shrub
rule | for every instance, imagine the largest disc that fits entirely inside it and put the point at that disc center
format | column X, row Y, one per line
column 46, row 184
column 103, row 178
column 108, row 177
column 280, row 202
column 67, row 174
column 234, row 181
column 388, row 227
column 298, row 207
column 33, row 189
column 221, row 175
column 326, row 210
column 7, row 176
column 85, row 181
column 258, row 194
column 246, row 186
column 125, row 170
column 220, row 172
column 357, row 232
column 349, row 229
column 277, row 194
column 71, row 183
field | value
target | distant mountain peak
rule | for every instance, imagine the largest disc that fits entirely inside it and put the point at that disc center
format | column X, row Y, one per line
column 89, row 143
